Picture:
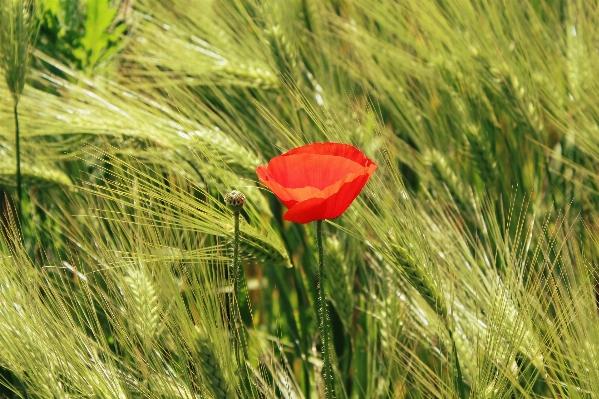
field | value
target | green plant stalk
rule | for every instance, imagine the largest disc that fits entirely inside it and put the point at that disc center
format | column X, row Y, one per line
column 458, row 380
column 325, row 321
column 18, row 151
column 241, row 351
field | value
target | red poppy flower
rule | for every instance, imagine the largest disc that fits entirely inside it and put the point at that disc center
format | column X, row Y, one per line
column 317, row 181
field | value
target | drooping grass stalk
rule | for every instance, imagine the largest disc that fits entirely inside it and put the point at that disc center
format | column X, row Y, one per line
column 325, row 321
column 421, row 281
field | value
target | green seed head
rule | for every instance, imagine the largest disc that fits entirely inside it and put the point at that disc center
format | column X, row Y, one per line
column 18, row 29
column 235, row 200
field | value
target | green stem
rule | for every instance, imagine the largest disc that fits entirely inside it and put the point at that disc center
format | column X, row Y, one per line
column 325, row 321
column 18, row 153
column 241, row 351
column 458, row 380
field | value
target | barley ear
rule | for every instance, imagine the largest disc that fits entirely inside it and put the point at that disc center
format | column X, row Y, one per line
column 262, row 249
column 17, row 32
column 481, row 153
column 18, row 29
column 443, row 172
column 418, row 278
column 213, row 373
column 339, row 284
column 145, row 309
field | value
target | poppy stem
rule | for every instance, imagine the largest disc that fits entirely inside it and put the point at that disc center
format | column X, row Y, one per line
column 325, row 321
column 241, row 351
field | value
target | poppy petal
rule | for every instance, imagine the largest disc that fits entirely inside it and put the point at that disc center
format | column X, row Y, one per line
column 289, row 196
column 317, row 181
column 333, row 188
column 302, row 170
column 341, row 150
column 330, row 207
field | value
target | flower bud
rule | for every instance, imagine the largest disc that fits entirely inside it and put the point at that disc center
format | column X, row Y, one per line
column 235, row 200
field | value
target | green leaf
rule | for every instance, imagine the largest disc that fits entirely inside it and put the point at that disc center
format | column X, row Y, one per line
column 99, row 17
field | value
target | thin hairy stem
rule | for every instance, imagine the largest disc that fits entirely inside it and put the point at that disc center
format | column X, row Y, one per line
column 241, row 351
column 325, row 321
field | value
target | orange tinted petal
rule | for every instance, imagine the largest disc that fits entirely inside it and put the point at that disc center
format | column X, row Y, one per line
column 289, row 196
column 331, row 206
column 281, row 192
column 317, row 181
column 313, row 170
column 333, row 188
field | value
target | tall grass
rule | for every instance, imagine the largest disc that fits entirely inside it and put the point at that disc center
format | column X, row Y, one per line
column 17, row 32
column 467, row 263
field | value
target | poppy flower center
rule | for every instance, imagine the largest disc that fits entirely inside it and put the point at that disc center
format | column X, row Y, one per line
column 314, row 170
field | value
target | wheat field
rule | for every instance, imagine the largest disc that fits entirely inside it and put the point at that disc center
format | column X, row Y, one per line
column 466, row 268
